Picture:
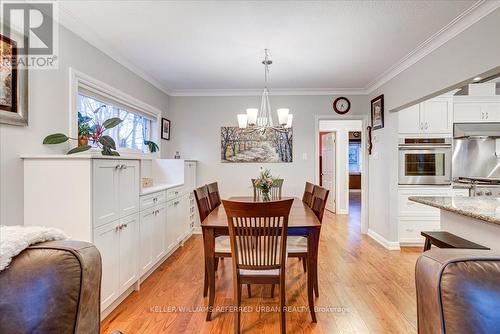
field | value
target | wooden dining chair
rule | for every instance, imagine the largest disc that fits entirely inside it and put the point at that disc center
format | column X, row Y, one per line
column 297, row 246
column 308, row 194
column 258, row 233
column 274, row 192
column 213, row 194
column 222, row 243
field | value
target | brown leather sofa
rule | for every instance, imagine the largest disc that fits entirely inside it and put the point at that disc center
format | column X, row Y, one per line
column 52, row 287
column 458, row 291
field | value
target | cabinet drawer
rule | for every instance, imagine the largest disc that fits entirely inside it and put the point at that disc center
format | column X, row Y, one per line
column 174, row 192
column 410, row 208
column 150, row 200
column 409, row 230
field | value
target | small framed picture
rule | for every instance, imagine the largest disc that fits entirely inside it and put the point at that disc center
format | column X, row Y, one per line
column 378, row 112
column 165, row 129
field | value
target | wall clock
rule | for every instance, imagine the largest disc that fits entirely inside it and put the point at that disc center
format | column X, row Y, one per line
column 341, row 105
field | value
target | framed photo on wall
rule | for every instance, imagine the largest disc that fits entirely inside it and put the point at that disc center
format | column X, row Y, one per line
column 165, row 129
column 378, row 112
column 13, row 84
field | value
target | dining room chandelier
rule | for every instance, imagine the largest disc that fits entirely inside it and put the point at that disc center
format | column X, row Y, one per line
column 261, row 119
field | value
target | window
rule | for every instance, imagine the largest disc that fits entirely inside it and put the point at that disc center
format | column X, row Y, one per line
column 355, row 157
column 128, row 135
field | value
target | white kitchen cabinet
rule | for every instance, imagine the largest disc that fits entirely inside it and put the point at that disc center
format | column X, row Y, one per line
column 159, row 236
column 476, row 110
column 106, row 240
column 190, row 184
column 434, row 116
column 127, row 254
column 146, row 233
column 115, row 189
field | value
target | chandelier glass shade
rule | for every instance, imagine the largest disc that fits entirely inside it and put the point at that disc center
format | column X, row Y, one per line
column 260, row 119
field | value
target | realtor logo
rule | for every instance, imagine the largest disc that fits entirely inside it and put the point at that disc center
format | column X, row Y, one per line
column 33, row 29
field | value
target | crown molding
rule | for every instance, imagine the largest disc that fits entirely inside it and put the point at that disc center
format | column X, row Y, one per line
column 272, row 91
column 92, row 37
column 465, row 20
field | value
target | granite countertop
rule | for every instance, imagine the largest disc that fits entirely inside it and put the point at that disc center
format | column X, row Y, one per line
column 482, row 208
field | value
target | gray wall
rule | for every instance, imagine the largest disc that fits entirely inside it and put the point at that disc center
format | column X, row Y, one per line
column 474, row 51
column 196, row 123
column 49, row 113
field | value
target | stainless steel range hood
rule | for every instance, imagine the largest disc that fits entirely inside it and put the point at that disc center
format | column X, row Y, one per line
column 476, row 130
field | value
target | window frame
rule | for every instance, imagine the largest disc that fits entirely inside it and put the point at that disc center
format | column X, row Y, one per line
column 79, row 80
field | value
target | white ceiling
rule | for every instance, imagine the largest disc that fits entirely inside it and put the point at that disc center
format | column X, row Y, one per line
column 218, row 45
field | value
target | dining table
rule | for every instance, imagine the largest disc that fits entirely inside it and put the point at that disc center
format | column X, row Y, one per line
column 301, row 222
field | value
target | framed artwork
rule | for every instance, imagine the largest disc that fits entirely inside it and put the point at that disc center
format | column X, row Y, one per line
column 242, row 145
column 13, row 85
column 378, row 112
column 165, row 129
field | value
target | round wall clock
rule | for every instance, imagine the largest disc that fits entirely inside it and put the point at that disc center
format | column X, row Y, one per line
column 341, row 105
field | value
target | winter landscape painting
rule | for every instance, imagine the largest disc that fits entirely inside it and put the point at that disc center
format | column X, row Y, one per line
column 245, row 145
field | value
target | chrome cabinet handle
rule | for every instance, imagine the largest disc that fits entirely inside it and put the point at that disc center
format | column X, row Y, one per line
column 426, row 125
column 118, row 227
column 117, row 166
column 123, row 167
column 487, row 115
column 124, row 225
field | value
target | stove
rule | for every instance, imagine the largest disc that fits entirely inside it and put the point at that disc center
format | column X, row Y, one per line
column 481, row 186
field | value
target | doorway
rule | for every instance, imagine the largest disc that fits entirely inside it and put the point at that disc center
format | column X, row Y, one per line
column 341, row 165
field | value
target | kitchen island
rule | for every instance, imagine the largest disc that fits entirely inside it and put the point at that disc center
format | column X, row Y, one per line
column 473, row 218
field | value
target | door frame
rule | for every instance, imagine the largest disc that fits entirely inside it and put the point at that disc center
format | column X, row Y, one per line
column 365, row 121
column 335, row 134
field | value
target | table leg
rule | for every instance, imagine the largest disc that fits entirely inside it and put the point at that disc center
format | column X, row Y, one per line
column 209, row 246
column 312, row 264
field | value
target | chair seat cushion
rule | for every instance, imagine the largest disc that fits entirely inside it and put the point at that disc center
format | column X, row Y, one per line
column 270, row 272
column 222, row 244
column 295, row 244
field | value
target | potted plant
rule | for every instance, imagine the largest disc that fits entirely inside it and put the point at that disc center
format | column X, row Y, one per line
column 86, row 132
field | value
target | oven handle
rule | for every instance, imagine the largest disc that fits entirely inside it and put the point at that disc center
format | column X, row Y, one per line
column 423, row 147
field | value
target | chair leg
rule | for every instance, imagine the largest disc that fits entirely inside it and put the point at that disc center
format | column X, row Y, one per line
column 272, row 291
column 427, row 244
column 304, row 264
column 205, row 284
column 237, row 314
column 282, row 307
column 249, row 291
column 216, row 265
column 316, row 291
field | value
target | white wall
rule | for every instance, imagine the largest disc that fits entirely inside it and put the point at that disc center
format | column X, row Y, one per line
column 196, row 123
column 341, row 129
column 472, row 52
column 49, row 113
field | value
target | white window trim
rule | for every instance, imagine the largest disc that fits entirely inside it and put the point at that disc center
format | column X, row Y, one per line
column 77, row 79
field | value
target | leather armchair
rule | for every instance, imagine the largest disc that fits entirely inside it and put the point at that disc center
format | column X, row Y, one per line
column 458, row 291
column 52, row 287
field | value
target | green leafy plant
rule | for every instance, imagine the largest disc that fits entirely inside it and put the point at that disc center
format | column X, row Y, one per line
column 152, row 146
column 94, row 132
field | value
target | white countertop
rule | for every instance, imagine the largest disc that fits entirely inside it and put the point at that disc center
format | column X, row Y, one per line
column 159, row 187
column 89, row 155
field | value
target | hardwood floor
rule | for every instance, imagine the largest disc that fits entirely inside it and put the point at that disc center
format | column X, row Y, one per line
column 363, row 289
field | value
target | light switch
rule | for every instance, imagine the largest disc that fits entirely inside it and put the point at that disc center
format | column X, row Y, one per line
column 304, row 156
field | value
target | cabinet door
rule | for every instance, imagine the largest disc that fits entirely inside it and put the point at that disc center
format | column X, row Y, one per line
column 437, row 115
column 159, row 230
column 105, row 188
column 129, row 233
column 183, row 221
column 129, row 187
column 106, row 241
column 409, row 120
column 492, row 112
column 190, row 175
column 146, row 235
column 467, row 112
column 170, row 238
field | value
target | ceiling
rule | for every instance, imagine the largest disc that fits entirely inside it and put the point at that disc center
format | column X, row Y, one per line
column 183, row 46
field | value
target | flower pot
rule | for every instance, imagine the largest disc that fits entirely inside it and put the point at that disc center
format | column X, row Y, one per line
column 83, row 141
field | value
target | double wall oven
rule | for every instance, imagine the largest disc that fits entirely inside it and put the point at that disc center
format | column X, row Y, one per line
column 425, row 161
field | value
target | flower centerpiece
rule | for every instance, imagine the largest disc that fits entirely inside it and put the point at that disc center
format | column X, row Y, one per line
column 264, row 182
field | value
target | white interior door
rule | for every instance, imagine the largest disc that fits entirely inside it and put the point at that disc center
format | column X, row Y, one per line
column 328, row 167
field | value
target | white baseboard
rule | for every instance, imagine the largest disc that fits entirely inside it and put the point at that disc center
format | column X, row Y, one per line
column 390, row 245
column 197, row 230
column 342, row 212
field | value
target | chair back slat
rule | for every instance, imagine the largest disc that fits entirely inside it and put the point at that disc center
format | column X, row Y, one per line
column 320, row 196
column 308, row 194
column 258, row 233
column 213, row 194
column 274, row 192
column 202, row 201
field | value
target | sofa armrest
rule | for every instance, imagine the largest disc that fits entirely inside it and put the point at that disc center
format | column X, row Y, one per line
column 52, row 287
column 453, row 285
